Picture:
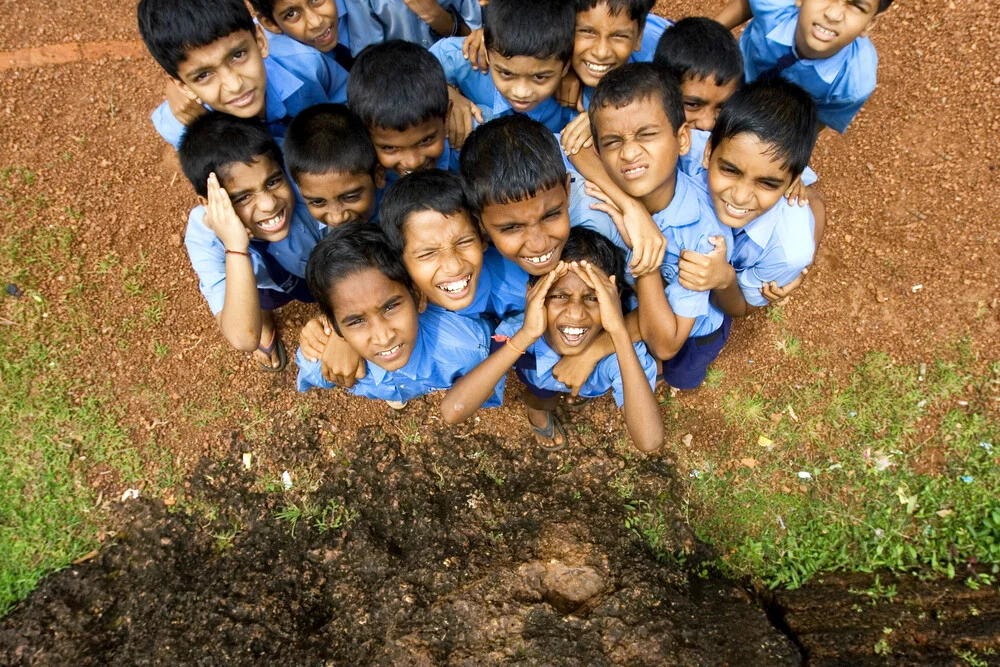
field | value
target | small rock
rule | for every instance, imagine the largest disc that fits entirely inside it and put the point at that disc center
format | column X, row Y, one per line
column 566, row 588
column 175, row 240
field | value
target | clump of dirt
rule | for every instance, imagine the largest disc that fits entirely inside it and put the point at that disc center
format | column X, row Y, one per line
column 459, row 549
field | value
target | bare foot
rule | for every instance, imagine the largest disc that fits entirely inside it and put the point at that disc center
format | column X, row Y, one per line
column 268, row 339
column 549, row 433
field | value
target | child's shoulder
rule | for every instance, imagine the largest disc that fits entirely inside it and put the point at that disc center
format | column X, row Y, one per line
column 446, row 332
column 789, row 227
column 651, row 33
column 450, row 48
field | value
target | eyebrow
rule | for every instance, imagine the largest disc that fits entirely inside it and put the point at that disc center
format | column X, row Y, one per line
column 695, row 98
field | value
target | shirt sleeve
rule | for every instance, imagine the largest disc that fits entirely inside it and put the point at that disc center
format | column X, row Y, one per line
column 310, row 374
column 469, row 10
column 171, row 129
column 761, row 7
column 456, row 68
column 208, row 260
column 838, row 114
column 364, row 26
column 782, row 261
column 613, row 371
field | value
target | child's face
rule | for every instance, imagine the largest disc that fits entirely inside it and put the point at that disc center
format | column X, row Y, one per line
column 262, row 197
column 531, row 232
column 312, row 22
column 377, row 317
column 444, row 257
column 414, row 149
column 573, row 315
column 604, row 41
column 337, row 197
column 703, row 100
column 228, row 74
column 639, row 149
column 524, row 81
column 827, row 26
column 745, row 179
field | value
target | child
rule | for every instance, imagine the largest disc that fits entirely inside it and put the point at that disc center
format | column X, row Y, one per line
column 364, row 291
column 248, row 240
column 761, row 143
column 529, row 44
column 566, row 310
column 399, row 91
column 332, row 160
column 819, row 44
column 317, row 24
column 215, row 54
column 421, row 22
column 639, row 128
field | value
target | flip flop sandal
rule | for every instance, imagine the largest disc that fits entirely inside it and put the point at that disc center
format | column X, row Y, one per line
column 552, row 426
column 282, row 356
column 576, row 403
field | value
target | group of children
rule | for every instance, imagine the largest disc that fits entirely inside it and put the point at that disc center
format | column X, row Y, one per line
column 577, row 189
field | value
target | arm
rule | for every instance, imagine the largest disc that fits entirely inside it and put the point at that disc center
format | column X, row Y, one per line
column 462, row 117
column 662, row 330
column 703, row 272
column 634, row 223
column 339, row 363
column 574, row 371
column 439, row 19
column 736, row 13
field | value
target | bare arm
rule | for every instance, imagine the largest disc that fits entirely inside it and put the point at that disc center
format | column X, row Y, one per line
column 440, row 20
column 663, row 331
column 639, row 403
column 734, row 14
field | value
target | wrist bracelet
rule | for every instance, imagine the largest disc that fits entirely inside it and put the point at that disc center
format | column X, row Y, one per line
column 237, row 252
column 454, row 21
column 510, row 341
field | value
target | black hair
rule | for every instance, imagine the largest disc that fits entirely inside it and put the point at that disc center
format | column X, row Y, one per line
column 540, row 29
column 346, row 250
column 637, row 10
column 586, row 244
column 635, row 82
column 698, row 47
column 397, row 85
column 264, row 7
column 882, row 6
column 778, row 113
column 509, row 159
column 328, row 138
column 216, row 140
column 429, row 190
column 171, row 28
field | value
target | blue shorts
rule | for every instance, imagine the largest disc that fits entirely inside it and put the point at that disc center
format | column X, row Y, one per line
column 537, row 392
column 273, row 299
column 687, row 368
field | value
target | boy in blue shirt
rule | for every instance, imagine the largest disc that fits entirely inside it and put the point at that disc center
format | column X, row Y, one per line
column 422, row 22
column 565, row 311
column 216, row 56
column 333, row 162
column 320, row 24
column 761, row 143
column 248, row 240
column 399, row 91
column 364, row 291
column 529, row 45
column 819, row 44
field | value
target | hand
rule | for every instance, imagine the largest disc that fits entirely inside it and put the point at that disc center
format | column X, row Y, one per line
column 797, row 192
column 340, row 364
column 462, row 117
column 574, row 371
column 638, row 230
column 775, row 294
column 570, row 93
column 221, row 218
column 313, row 337
column 535, row 319
column 702, row 273
column 474, row 50
column 184, row 105
column 608, row 297
column 576, row 135
column 608, row 206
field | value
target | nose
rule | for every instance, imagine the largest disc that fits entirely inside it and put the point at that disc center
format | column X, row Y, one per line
column 313, row 20
column 381, row 333
column 575, row 310
column 535, row 243
column 602, row 49
column 704, row 120
column 451, row 263
column 521, row 91
column 631, row 149
column 231, row 80
column 410, row 161
column 834, row 11
column 266, row 202
column 741, row 193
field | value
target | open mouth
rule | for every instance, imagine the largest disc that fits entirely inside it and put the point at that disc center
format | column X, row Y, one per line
column 573, row 335
column 734, row 211
column 273, row 223
column 822, row 33
column 244, row 100
column 391, row 353
column 539, row 260
column 598, row 69
column 518, row 105
column 324, row 37
column 456, row 288
column 632, row 173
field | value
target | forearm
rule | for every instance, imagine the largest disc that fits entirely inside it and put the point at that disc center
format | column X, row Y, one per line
column 589, row 164
column 240, row 318
column 730, row 300
column 658, row 323
column 470, row 391
column 735, row 13
column 817, row 202
column 440, row 20
column 642, row 414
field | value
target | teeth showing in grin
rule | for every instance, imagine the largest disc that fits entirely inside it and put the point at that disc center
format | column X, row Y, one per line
column 825, row 32
column 597, row 69
column 634, row 171
column 271, row 224
column 573, row 334
column 323, row 37
column 541, row 259
column 456, row 286
column 735, row 211
column 389, row 352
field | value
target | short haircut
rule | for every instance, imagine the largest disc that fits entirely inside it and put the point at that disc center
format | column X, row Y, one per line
column 397, row 85
column 346, row 250
column 171, row 28
column 700, row 48
column 586, row 244
column 216, row 140
column 637, row 10
column 509, row 159
column 635, row 82
column 264, row 7
column 778, row 113
column 430, row 190
column 327, row 138
column 540, row 29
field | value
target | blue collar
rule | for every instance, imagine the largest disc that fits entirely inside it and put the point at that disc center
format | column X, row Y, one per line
column 685, row 208
column 826, row 68
column 545, row 357
column 414, row 368
column 759, row 231
column 281, row 84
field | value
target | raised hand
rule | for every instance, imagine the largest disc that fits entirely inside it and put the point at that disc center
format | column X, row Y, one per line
column 608, row 298
column 535, row 319
column 221, row 218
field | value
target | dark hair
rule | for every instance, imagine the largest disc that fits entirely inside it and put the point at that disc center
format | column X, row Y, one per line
column 216, row 140
column 586, row 244
column 882, row 6
column 637, row 10
column 396, row 85
column 327, row 138
column 778, row 113
column 700, row 48
column 540, row 29
column 634, row 82
column 430, row 190
column 509, row 159
column 264, row 7
column 346, row 250
column 171, row 28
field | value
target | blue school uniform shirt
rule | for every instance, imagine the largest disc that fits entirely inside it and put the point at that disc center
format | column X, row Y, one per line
column 691, row 164
column 290, row 54
column 447, row 347
column 840, row 84
column 478, row 87
column 208, row 253
column 293, row 85
column 655, row 27
column 377, row 21
column 501, row 289
column 606, row 375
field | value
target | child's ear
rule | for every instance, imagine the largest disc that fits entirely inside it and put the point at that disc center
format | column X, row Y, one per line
column 569, row 179
column 183, row 87
column 203, row 201
column 268, row 24
column 684, row 139
column 707, row 157
column 637, row 44
column 261, row 40
column 798, row 3
column 569, row 63
column 870, row 26
column 379, row 177
column 421, row 302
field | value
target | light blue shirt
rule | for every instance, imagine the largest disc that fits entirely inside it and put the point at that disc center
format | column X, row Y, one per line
column 377, row 21
column 289, row 54
column 447, row 347
column 292, row 86
column 655, row 27
column 208, row 254
column 478, row 87
column 691, row 164
column 606, row 375
column 840, row 84
column 501, row 289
